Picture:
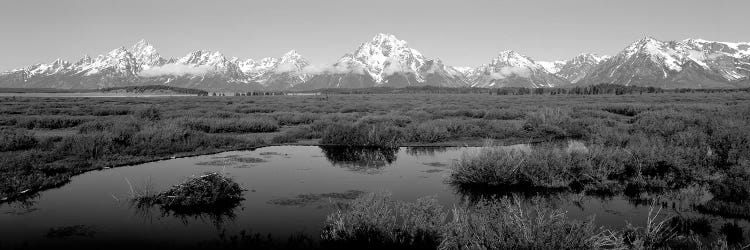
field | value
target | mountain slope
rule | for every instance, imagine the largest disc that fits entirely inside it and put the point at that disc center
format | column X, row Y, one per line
column 689, row 63
column 142, row 64
column 386, row 61
column 511, row 69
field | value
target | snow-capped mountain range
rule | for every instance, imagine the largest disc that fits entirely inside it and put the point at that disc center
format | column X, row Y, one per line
column 691, row 63
column 388, row 61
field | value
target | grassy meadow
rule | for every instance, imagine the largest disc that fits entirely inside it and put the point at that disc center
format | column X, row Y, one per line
column 604, row 145
column 623, row 143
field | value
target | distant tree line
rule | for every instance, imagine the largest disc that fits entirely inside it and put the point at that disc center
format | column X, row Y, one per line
column 148, row 88
column 599, row 89
column 257, row 93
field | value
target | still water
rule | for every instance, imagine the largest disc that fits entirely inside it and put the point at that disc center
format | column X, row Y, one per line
column 290, row 189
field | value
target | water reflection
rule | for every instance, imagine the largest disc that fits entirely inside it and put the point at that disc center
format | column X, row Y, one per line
column 425, row 151
column 360, row 159
column 284, row 199
column 218, row 216
column 22, row 205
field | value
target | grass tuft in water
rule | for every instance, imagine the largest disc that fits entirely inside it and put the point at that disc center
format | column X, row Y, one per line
column 205, row 191
column 377, row 221
column 506, row 224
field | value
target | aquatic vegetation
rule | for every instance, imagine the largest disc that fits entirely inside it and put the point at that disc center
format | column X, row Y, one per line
column 12, row 140
column 542, row 167
column 308, row 199
column 211, row 189
column 635, row 143
column 363, row 135
column 232, row 125
column 731, row 195
column 376, row 221
column 72, row 231
column 656, row 234
column 436, row 164
column 361, row 159
column 151, row 113
column 507, row 224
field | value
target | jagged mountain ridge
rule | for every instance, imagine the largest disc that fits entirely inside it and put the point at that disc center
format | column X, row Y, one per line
column 387, row 61
column 142, row 64
column 574, row 69
column 511, row 69
column 384, row 61
column 691, row 63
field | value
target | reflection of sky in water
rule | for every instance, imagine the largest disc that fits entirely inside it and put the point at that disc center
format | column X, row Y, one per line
column 273, row 176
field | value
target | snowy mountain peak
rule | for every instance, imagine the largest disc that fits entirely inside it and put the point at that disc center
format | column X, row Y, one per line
column 514, row 59
column 385, row 38
column 291, row 62
column 552, row 66
column 292, row 57
column 142, row 45
column 86, row 59
column 118, row 53
column 512, row 69
column 647, row 44
column 383, row 56
column 145, row 54
column 589, row 57
column 203, row 57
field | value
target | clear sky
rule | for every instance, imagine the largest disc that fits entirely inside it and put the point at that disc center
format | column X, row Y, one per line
column 462, row 33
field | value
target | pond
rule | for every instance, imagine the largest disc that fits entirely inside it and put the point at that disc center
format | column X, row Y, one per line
column 290, row 190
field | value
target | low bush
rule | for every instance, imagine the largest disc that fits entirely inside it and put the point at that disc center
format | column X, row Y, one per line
column 546, row 123
column 50, row 121
column 15, row 139
column 541, row 167
column 364, row 135
column 170, row 138
column 294, row 118
column 731, row 195
column 390, row 119
column 504, row 114
column 376, row 221
column 91, row 146
column 506, row 224
column 734, row 187
column 110, row 111
column 232, row 125
column 427, row 132
column 623, row 109
column 151, row 113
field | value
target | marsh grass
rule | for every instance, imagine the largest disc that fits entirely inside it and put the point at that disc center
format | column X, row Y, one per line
column 507, row 224
column 232, row 125
column 657, row 232
column 12, row 140
column 362, row 135
column 540, row 167
column 731, row 194
column 308, row 199
column 635, row 142
column 375, row 220
column 361, row 159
